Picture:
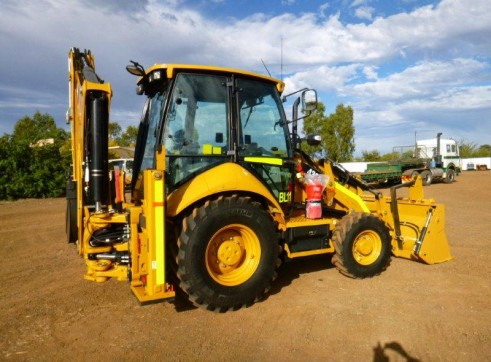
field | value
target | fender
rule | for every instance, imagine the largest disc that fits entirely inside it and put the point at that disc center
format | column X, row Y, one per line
column 227, row 177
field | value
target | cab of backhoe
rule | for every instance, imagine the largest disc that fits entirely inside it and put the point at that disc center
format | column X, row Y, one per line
column 205, row 119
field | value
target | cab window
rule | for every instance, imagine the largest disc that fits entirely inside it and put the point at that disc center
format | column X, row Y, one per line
column 195, row 134
column 262, row 132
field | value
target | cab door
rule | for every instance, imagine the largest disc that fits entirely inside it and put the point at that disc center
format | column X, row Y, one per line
column 263, row 137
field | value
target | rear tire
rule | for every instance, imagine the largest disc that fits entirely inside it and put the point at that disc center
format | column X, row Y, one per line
column 227, row 254
column 363, row 245
column 427, row 177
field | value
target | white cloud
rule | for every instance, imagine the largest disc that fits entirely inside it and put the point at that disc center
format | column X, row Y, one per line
column 424, row 79
column 442, row 52
column 356, row 3
column 364, row 12
column 429, row 96
column 323, row 8
column 323, row 78
column 370, row 72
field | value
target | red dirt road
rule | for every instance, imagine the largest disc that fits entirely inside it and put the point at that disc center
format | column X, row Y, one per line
column 429, row 313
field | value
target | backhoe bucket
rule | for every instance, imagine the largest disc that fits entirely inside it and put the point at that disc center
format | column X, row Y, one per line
column 419, row 226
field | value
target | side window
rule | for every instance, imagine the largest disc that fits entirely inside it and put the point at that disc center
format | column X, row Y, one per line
column 261, row 130
column 155, row 109
column 196, row 133
column 197, row 117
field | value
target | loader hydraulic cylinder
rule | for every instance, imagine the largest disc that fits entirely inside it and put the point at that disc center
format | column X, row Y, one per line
column 419, row 242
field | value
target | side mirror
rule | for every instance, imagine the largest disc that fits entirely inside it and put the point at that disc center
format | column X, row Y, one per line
column 314, row 139
column 135, row 69
column 309, row 100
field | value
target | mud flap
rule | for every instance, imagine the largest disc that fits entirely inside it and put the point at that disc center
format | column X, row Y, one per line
column 419, row 226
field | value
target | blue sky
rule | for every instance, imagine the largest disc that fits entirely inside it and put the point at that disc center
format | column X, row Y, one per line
column 406, row 67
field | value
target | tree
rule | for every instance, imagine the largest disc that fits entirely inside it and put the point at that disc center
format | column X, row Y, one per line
column 371, row 156
column 29, row 168
column 337, row 132
column 128, row 138
column 467, row 149
column 471, row 149
column 114, row 131
column 484, row 151
column 394, row 155
column 40, row 127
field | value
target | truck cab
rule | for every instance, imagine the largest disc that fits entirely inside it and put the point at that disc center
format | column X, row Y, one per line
column 449, row 151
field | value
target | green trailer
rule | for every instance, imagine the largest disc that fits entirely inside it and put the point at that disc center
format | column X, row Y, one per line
column 393, row 171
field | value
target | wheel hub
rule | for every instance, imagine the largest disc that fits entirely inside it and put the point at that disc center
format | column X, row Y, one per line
column 233, row 255
column 367, row 248
column 229, row 252
column 364, row 246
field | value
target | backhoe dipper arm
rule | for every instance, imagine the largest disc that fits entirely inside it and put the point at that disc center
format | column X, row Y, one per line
column 88, row 115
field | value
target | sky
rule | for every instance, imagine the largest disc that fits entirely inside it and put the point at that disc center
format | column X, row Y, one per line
column 408, row 68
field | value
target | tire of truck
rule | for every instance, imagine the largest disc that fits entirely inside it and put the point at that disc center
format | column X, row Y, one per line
column 228, row 253
column 450, row 176
column 363, row 246
column 427, row 177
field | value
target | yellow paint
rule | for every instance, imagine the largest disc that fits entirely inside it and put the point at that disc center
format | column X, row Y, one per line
column 159, row 229
column 350, row 199
column 170, row 70
column 265, row 160
column 227, row 177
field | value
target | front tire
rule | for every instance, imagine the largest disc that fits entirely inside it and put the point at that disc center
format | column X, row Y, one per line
column 450, row 176
column 363, row 245
column 227, row 253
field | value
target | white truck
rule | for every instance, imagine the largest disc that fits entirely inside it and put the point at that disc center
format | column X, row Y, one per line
column 432, row 159
column 443, row 155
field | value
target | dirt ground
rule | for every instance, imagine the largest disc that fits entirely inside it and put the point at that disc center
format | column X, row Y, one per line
column 411, row 312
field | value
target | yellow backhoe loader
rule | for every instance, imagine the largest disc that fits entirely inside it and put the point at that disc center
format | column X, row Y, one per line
column 222, row 191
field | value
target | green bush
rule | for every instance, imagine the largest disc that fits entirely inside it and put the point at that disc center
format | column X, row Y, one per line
column 29, row 167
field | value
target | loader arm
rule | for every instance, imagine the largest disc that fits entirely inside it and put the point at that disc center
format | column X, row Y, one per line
column 416, row 223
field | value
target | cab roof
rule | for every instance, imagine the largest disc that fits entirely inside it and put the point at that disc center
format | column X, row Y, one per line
column 171, row 70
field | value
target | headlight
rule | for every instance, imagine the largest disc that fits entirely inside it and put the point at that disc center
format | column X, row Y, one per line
column 155, row 76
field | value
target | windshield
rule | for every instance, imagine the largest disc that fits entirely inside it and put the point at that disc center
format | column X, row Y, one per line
column 262, row 130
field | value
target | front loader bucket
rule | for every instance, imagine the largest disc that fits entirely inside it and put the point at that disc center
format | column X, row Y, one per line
column 419, row 226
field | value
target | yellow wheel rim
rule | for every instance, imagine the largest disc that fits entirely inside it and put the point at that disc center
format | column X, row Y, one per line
column 233, row 255
column 367, row 247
